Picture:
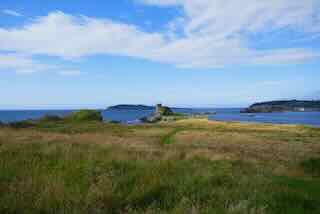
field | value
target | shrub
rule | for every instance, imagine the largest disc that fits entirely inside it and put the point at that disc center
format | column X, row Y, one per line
column 21, row 124
column 85, row 115
column 50, row 118
column 312, row 166
column 164, row 111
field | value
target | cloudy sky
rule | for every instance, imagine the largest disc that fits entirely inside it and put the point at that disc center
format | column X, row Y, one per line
column 80, row 53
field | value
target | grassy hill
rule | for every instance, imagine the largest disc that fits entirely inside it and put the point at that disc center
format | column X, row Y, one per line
column 186, row 166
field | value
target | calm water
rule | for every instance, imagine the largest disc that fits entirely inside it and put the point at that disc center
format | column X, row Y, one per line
column 132, row 116
column 303, row 118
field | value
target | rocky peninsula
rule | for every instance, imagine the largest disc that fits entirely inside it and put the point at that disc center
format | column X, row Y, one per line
column 283, row 106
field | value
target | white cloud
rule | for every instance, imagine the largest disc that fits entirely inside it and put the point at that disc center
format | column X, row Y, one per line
column 25, row 64
column 11, row 13
column 67, row 36
column 213, row 34
column 20, row 64
column 226, row 17
column 215, row 31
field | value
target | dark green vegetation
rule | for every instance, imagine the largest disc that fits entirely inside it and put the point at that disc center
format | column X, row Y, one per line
column 82, row 116
column 312, row 166
column 283, row 105
column 163, row 110
column 187, row 166
column 85, row 116
column 50, row 118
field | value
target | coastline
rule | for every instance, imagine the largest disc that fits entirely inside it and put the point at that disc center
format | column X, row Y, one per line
column 119, row 167
column 228, row 114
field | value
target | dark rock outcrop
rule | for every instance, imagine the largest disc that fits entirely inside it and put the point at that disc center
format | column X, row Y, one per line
column 163, row 110
column 160, row 112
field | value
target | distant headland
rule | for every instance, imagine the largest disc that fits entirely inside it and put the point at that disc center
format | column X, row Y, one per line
column 131, row 107
column 139, row 107
column 283, row 105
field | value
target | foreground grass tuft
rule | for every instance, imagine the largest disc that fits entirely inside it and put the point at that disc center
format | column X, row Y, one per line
column 312, row 166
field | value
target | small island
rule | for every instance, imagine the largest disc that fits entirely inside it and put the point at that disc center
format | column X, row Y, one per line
column 162, row 113
column 283, row 106
column 140, row 107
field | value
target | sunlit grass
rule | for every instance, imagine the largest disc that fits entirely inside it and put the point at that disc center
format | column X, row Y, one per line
column 187, row 166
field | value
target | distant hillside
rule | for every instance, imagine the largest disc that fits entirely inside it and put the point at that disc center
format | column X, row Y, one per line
column 142, row 107
column 314, row 96
column 283, row 105
column 131, row 107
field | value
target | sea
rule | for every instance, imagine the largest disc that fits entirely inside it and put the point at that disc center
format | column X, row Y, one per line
column 219, row 114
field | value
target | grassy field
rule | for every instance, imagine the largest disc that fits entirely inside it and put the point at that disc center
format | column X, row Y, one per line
column 186, row 166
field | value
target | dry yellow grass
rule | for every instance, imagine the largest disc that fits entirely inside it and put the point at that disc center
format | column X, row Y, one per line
column 192, row 137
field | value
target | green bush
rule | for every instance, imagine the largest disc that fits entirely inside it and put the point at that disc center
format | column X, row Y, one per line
column 164, row 111
column 84, row 116
column 312, row 166
column 21, row 124
column 50, row 118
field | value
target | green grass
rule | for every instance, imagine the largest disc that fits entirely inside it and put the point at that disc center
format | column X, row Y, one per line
column 92, row 167
column 169, row 137
column 61, row 178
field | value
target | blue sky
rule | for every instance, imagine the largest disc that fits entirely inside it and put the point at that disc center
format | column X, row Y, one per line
column 205, row 53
